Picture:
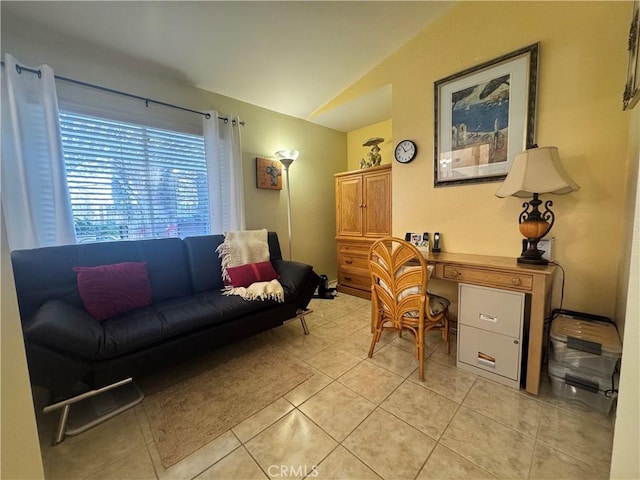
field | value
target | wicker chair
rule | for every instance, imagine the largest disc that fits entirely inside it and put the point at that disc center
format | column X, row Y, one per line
column 399, row 295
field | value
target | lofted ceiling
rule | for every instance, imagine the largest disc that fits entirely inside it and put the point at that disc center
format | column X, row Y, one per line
column 291, row 57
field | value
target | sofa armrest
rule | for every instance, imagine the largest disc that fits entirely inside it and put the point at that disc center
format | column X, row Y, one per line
column 65, row 327
column 298, row 280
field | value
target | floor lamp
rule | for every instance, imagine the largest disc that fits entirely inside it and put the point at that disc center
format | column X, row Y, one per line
column 286, row 158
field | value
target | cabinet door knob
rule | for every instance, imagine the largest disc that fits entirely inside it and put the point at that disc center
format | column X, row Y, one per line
column 515, row 281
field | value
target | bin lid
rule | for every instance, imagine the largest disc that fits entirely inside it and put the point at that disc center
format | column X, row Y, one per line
column 603, row 333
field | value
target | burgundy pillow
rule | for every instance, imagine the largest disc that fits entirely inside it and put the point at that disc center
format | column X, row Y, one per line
column 108, row 290
column 245, row 275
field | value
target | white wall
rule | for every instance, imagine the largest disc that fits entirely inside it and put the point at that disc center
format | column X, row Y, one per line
column 625, row 461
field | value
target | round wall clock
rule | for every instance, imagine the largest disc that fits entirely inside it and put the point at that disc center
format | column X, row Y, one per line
column 405, row 151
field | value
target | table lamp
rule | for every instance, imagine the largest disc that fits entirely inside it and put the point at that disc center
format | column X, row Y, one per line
column 535, row 171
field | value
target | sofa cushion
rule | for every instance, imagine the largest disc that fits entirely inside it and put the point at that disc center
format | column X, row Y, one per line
column 208, row 309
column 180, row 316
column 165, row 258
column 109, row 290
column 204, row 263
column 245, row 275
column 44, row 273
column 67, row 328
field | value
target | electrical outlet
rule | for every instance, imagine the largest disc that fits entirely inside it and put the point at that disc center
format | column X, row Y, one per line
column 548, row 246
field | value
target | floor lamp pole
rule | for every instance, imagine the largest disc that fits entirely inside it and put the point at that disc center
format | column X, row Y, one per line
column 286, row 163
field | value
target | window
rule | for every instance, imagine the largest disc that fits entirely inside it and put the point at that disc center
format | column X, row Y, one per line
column 130, row 181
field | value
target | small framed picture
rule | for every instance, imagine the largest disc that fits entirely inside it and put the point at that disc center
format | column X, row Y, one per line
column 268, row 173
column 420, row 240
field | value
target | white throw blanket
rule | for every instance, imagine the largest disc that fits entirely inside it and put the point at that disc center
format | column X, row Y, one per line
column 258, row 291
column 241, row 248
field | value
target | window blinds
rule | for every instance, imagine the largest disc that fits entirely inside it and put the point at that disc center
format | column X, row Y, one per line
column 130, row 181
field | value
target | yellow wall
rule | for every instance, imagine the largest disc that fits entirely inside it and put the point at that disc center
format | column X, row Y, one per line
column 322, row 150
column 355, row 139
column 582, row 71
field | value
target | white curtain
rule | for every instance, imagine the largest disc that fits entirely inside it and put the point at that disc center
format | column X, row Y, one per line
column 223, row 150
column 35, row 196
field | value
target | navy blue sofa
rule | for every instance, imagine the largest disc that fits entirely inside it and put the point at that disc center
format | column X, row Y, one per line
column 68, row 350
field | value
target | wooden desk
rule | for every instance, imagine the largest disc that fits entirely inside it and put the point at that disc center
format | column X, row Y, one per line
column 505, row 273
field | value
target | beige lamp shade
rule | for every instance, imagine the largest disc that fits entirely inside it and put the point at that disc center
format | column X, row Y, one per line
column 537, row 170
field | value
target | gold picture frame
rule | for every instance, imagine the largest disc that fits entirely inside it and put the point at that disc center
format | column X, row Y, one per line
column 268, row 173
column 632, row 87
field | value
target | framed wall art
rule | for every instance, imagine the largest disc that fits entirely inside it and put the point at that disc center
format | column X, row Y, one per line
column 632, row 87
column 268, row 173
column 484, row 116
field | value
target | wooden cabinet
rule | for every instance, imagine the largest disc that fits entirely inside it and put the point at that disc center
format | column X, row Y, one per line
column 363, row 214
column 363, row 202
column 353, row 269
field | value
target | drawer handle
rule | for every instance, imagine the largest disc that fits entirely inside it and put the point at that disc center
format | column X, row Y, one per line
column 515, row 281
column 348, row 260
column 487, row 317
column 347, row 278
column 455, row 273
column 486, row 360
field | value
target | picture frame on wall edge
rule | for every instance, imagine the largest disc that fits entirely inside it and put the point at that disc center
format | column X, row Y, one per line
column 632, row 87
column 484, row 116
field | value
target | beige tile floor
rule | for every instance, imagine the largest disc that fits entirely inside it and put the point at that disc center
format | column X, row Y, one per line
column 360, row 418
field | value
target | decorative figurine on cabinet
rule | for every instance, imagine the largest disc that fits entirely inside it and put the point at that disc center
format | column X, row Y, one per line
column 373, row 157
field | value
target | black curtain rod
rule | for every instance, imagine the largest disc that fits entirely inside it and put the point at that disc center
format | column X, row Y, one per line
column 147, row 101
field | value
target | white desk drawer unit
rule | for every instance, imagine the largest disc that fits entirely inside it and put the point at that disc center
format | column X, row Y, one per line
column 490, row 323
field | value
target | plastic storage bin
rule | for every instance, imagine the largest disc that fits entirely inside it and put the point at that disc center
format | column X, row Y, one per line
column 597, row 392
column 586, row 345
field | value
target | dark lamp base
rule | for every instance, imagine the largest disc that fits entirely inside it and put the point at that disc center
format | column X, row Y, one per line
column 534, row 225
column 533, row 256
column 533, row 260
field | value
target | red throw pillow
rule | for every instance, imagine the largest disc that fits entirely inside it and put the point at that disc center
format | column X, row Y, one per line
column 245, row 275
column 108, row 290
